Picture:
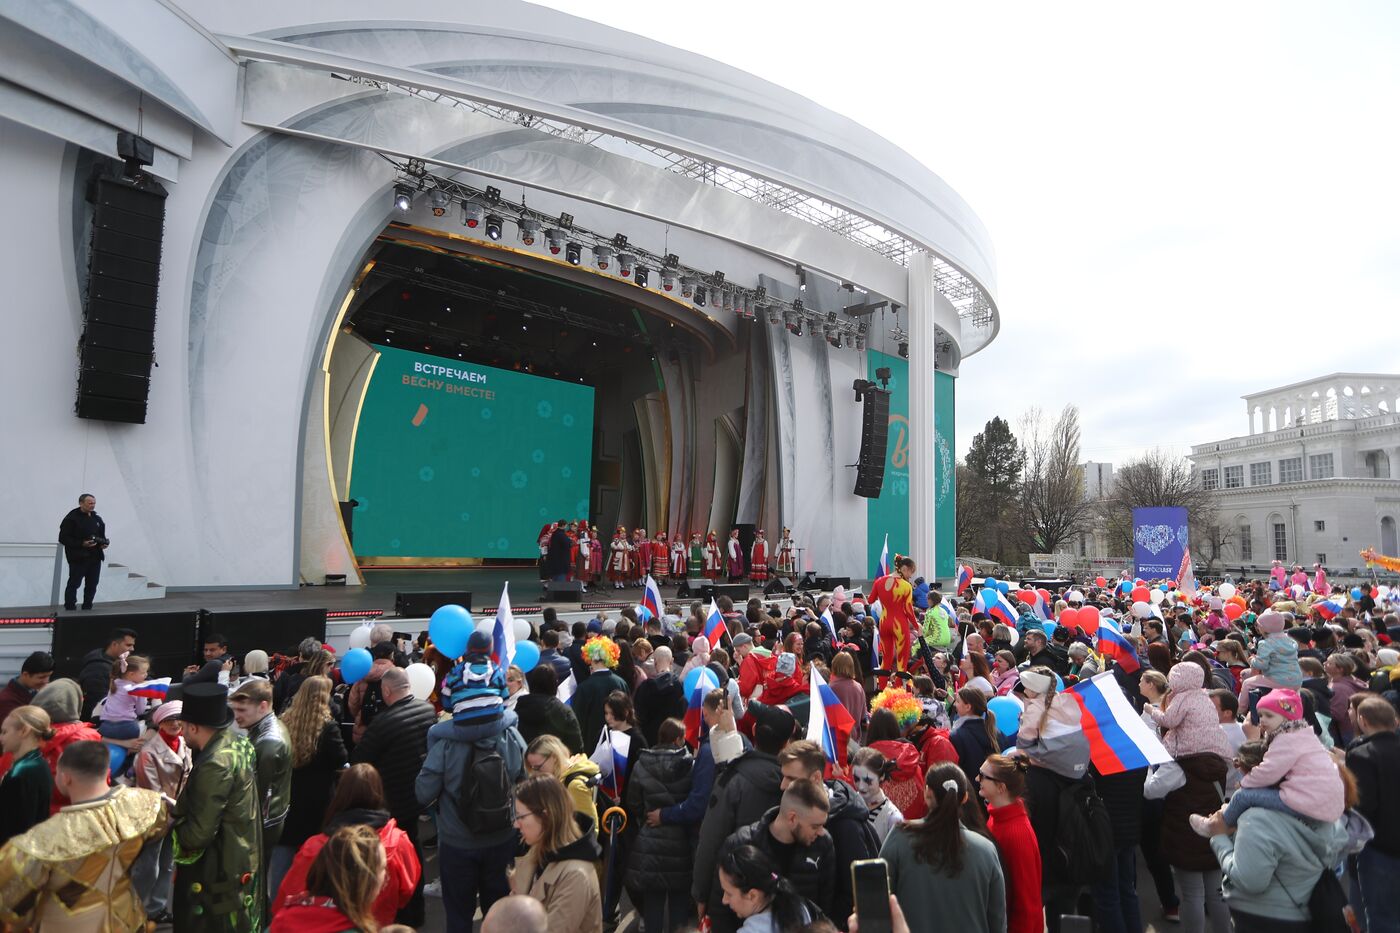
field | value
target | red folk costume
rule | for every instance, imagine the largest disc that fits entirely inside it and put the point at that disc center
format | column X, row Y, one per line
column 787, row 555
column 641, row 556
column 572, row 532
column 660, row 557
column 758, row 559
column 734, row 556
column 678, row 558
column 896, row 596
column 595, row 554
column 714, row 557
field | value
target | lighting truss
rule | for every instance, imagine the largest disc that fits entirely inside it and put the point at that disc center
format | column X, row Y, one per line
column 973, row 304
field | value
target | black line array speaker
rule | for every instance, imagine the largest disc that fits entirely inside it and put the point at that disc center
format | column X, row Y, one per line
column 874, row 430
column 696, row 588
column 119, row 319
column 421, row 604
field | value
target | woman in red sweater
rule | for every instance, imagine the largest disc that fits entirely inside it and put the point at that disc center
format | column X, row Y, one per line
column 1002, row 783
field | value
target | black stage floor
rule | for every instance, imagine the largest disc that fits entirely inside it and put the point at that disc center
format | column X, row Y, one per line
column 484, row 583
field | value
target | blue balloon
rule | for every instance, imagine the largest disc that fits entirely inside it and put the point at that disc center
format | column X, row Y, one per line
column 989, row 581
column 449, row 628
column 527, row 655
column 1007, row 712
column 1059, row 683
column 643, row 613
column 116, row 755
column 1004, row 586
column 355, row 665
column 1049, row 625
column 695, row 676
column 1356, row 592
column 1162, row 587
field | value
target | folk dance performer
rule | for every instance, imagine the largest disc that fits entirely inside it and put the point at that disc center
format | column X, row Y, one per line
column 696, row 564
column 787, row 555
column 758, row 559
column 585, row 546
column 714, row 557
column 896, row 596
column 734, row 556
column 595, row 554
column 641, row 557
column 618, row 558
column 678, row 559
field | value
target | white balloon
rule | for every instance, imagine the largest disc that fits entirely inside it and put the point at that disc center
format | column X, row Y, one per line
column 486, row 626
column 1074, row 597
column 1226, row 590
column 1142, row 610
column 1156, row 597
column 522, row 629
column 359, row 637
column 421, row 680
column 1015, row 637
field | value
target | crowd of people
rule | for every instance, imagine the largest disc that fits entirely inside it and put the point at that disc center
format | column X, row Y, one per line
column 669, row 763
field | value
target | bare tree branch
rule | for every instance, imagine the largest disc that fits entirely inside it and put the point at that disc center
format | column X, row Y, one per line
column 1053, row 506
column 1158, row 478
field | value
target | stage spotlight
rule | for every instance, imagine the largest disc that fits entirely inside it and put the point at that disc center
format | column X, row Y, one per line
column 493, row 226
column 625, row 262
column 642, row 275
column 747, row 308
column 774, row 316
column 904, row 349
column 529, row 231
column 439, row 200
column 801, row 279
column 493, row 195
column 687, row 286
column 602, row 257
column 668, row 281
column 555, row 238
column 700, row 295
column 471, row 215
column 727, row 302
column 791, row 317
column 403, row 197
column 573, row 252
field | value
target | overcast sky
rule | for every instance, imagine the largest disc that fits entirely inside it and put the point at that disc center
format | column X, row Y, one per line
column 1189, row 202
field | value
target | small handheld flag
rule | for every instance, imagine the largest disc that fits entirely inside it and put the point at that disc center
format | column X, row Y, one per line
column 829, row 723
column 994, row 603
column 503, row 634
column 714, row 630
column 610, row 755
column 1114, row 645
column 148, row 689
column 1328, row 609
column 964, row 578
column 1186, row 576
column 651, row 598
column 567, row 690
column 1118, row 738
column 829, row 622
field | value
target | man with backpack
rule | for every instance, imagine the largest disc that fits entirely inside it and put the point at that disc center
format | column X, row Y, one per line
column 367, row 695
column 472, row 764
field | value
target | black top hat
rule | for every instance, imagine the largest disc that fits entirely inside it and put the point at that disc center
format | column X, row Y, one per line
column 206, row 705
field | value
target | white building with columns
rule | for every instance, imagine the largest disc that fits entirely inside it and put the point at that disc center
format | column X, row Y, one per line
column 1316, row 479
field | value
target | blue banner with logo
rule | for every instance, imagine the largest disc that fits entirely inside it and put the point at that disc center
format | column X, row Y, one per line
column 1160, row 537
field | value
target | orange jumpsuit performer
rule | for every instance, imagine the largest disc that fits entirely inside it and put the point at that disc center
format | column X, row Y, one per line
column 896, row 596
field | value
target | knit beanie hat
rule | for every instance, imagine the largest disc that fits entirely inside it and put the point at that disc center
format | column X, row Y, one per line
column 478, row 643
column 1285, row 703
column 62, row 699
column 1271, row 623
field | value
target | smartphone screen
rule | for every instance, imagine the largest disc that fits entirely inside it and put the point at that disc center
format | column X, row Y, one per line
column 870, row 882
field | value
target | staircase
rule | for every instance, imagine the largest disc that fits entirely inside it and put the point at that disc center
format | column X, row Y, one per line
column 120, row 583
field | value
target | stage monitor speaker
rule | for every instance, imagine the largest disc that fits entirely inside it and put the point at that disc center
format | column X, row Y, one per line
column 272, row 630
column 874, row 430
column 422, row 604
column 778, row 586
column 119, row 318
column 808, row 581
column 831, row 583
column 167, row 638
column 701, row 588
column 739, row 592
column 564, row 591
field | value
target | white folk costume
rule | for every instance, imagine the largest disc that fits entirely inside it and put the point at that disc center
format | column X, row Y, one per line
column 758, row 559
column 678, row 558
column 787, row 555
column 714, row 557
column 585, row 545
column 619, row 559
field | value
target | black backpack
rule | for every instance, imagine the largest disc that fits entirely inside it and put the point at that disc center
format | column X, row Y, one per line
column 1084, row 837
column 1327, row 905
column 484, row 803
column 372, row 702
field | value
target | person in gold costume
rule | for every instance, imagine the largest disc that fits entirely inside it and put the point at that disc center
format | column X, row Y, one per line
column 71, row 873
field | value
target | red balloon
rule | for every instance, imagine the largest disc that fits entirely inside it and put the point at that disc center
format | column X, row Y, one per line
column 1026, row 596
column 1233, row 611
column 1100, row 581
column 1088, row 619
column 1045, row 595
column 1140, row 594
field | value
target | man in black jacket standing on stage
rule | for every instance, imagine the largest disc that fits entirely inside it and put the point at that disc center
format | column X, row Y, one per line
column 83, row 535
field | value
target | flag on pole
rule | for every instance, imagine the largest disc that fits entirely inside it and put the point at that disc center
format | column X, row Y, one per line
column 882, row 569
column 1186, row 576
column 964, row 578
column 610, row 755
column 567, row 690
column 830, row 624
column 994, row 603
column 829, row 723
column 503, row 634
column 1112, row 644
column 147, row 689
column 1118, row 738
column 704, row 683
column 1328, row 609
column 714, row 626
column 651, row 598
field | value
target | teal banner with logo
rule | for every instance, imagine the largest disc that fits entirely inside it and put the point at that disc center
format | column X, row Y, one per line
column 945, row 523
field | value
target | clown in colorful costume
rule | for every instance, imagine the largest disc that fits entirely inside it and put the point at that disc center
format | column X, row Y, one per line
column 896, row 597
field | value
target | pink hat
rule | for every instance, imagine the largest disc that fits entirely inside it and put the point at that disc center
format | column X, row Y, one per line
column 1285, row 703
column 1271, row 623
column 168, row 710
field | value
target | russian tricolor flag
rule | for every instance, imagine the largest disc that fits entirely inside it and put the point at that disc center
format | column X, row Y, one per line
column 875, row 613
column 829, row 723
column 994, row 603
column 883, row 568
column 150, row 689
column 714, row 626
column 1118, row 739
column 503, row 634
column 829, row 622
column 567, row 689
column 706, row 682
column 1328, row 609
column 610, row 756
column 651, row 598
column 1112, row 644
column 964, row 578
column 1037, row 604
